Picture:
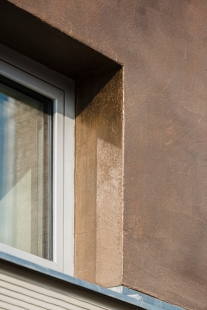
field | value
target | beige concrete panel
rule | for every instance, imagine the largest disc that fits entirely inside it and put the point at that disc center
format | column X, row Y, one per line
column 98, row 185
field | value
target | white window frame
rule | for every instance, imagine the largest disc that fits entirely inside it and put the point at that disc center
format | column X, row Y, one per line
column 61, row 90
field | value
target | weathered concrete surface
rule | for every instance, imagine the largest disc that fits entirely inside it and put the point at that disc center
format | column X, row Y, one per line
column 162, row 45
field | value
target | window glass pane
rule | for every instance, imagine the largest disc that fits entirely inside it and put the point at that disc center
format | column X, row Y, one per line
column 25, row 172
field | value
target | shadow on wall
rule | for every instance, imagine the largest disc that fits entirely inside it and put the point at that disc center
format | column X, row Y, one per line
column 98, row 178
column 99, row 105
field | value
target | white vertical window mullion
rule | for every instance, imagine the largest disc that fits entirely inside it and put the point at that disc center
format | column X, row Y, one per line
column 58, row 181
column 69, row 150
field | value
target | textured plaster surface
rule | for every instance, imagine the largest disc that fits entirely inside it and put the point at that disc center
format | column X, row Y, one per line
column 98, row 182
column 162, row 45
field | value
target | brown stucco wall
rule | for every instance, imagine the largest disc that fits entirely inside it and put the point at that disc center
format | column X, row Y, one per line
column 162, row 45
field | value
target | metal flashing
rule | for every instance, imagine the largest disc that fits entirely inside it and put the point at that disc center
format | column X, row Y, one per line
column 121, row 293
column 96, row 289
column 148, row 302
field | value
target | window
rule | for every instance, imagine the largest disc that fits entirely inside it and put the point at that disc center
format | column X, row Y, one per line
column 36, row 162
column 26, row 170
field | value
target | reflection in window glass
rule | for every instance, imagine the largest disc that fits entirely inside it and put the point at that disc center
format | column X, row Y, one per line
column 25, row 172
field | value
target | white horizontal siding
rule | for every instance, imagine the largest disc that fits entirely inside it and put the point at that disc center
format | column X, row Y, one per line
column 16, row 294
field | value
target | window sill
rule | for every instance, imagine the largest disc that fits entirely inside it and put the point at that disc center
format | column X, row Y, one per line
column 100, row 295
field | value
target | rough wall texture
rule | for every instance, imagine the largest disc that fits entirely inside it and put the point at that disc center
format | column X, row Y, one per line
column 162, row 45
column 98, row 182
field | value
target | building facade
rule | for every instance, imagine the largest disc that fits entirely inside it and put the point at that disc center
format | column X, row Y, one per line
column 127, row 84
